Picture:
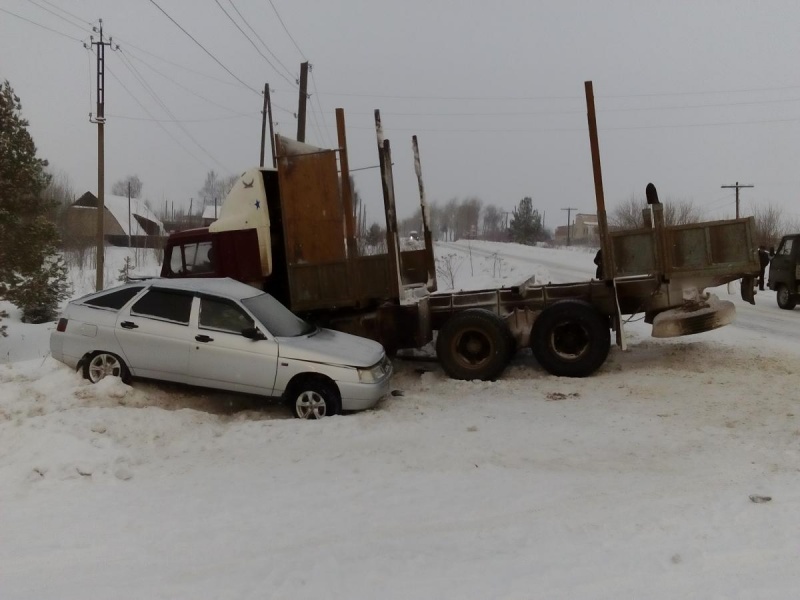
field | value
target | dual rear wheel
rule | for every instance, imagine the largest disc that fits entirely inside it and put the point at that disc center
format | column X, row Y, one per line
column 569, row 338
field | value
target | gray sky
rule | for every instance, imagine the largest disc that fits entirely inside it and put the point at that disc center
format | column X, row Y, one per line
column 690, row 95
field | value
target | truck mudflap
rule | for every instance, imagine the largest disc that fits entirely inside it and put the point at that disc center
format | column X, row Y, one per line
column 748, row 291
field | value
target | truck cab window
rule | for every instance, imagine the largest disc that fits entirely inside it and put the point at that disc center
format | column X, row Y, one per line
column 222, row 315
column 192, row 259
column 786, row 247
column 176, row 261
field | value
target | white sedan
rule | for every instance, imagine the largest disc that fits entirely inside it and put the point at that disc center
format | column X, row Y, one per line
column 220, row 333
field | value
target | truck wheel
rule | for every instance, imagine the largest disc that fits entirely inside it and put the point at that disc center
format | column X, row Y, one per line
column 785, row 300
column 570, row 338
column 474, row 344
column 314, row 398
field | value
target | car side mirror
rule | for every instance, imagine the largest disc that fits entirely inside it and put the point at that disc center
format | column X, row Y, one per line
column 252, row 333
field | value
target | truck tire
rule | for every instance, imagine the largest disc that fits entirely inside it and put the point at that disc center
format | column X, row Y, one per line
column 474, row 344
column 785, row 300
column 570, row 339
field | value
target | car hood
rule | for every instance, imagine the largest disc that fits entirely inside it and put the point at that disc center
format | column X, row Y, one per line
column 331, row 347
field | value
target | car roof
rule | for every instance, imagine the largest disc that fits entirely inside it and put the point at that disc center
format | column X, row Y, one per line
column 221, row 286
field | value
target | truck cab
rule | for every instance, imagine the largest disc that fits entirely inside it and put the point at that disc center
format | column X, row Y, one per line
column 784, row 272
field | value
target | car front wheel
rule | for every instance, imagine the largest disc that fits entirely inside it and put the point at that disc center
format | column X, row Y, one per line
column 104, row 364
column 314, row 398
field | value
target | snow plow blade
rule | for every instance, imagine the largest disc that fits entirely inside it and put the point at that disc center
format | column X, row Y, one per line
column 694, row 317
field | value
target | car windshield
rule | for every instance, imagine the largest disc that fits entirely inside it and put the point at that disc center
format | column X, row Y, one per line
column 279, row 320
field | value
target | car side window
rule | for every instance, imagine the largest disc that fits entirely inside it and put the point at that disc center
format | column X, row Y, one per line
column 223, row 315
column 164, row 304
column 114, row 300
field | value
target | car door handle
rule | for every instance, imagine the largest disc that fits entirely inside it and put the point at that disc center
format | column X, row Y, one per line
column 128, row 325
column 203, row 338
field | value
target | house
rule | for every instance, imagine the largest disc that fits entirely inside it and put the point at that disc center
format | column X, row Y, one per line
column 210, row 214
column 583, row 231
column 140, row 224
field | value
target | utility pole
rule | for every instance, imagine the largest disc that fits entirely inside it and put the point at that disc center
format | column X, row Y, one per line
column 301, row 107
column 737, row 186
column 569, row 212
column 266, row 113
column 129, row 214
column 100, row 119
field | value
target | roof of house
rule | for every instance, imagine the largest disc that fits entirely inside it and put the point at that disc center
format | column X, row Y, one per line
column 211, row 212
column 118, row 207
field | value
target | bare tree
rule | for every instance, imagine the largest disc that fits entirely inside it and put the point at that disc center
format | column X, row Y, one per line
column 492, row 220
column 628, row 214
column 120, row 188
column 216, row 187
column 772, row 224
column 467, row 217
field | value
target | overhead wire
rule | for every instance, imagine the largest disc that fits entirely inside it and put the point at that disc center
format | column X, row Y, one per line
column 263, row 43
column 66, row 12
column 44, row 8
column 277, row 14
column 42, row 26
column 174, row 64
column 191, row 37
column 183, row 87
column 147, row 111
column 315, row 95
column 252, row 43
column 205, row 120
column 166, row 109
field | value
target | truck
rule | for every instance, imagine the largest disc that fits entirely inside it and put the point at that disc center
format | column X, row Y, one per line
column 290, row 230
column 784, row 272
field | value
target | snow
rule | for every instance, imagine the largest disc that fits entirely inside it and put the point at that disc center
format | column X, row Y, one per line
column 633, row 483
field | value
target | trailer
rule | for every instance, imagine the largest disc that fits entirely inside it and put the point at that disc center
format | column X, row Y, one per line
column 290, row 230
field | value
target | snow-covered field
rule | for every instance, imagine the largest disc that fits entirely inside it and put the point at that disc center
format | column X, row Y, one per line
column 633, row 483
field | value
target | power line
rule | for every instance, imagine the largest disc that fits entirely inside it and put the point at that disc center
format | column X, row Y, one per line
column 183, row 87
column 66, row 12
column 246, row 22
column 44, row 8
column 574, row 111
column 42, row 26
column 166, row 109
column 252, row 43
column 174, row 64
column 315, row 95
column 277, row 14
column 737, row 187
column 568, row 97
column 206, row 120
column 156, row 121
column 191, row 37
column 581, row 129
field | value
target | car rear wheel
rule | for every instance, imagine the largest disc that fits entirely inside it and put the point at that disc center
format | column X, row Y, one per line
column 313, row 398
column 785, row 300
column 104, row 364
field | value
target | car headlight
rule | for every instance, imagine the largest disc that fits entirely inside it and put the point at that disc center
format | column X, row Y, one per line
column 375, row 372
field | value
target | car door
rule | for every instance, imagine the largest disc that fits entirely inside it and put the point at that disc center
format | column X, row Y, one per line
column 782, row 267
column 222, row 357
column 155, row 336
